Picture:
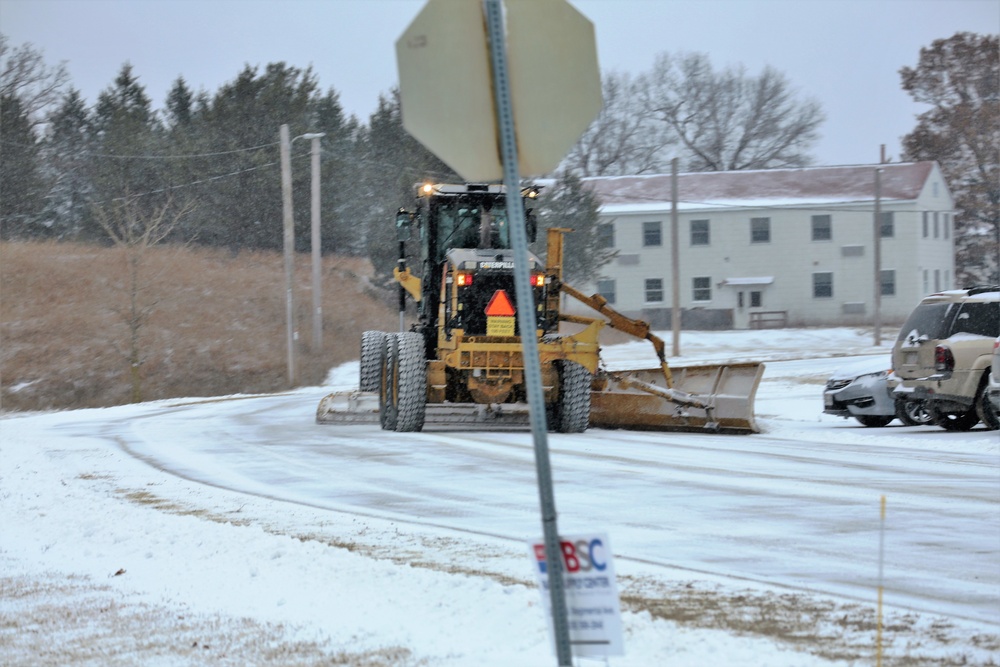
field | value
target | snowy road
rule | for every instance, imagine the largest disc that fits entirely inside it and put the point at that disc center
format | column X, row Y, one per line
column 796, row 507
column 237, row 530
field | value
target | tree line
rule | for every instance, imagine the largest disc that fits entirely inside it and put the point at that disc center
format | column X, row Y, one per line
column 64, row 164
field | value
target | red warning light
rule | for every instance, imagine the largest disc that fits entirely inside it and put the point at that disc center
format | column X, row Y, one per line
column 500, row 305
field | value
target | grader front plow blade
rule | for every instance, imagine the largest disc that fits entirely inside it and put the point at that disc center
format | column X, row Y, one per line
column 697, row 398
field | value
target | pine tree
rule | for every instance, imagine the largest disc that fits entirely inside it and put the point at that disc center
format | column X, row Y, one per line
column 338, row 170
column 68, row 149
column 22, row 187
column 242, row 208
column 568, row 204
column 126, row 143
column 393, row 162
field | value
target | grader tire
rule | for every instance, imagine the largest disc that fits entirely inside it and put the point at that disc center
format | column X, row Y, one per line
column 571, row 414
column 411, row 381
column 388, row 387
column 372, row 347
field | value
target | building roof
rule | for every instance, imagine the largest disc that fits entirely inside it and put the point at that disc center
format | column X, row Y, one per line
column 771, row 187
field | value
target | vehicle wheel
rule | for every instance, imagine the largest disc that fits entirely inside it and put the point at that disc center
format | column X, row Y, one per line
column 571, row 413
column 912, row 413
column 954, row 421
column 874, row 421
column 372, row 346
column 984, row 409
column 411, row 382
column 388, row 386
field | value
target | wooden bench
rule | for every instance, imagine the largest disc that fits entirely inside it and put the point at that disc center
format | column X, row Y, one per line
column 769, row 319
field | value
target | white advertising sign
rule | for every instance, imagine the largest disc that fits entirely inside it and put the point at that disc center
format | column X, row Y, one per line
column 593, row 610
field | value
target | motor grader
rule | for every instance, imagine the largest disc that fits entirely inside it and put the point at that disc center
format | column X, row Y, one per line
column 462, row 363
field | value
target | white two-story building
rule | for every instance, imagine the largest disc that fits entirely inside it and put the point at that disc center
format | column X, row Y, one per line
column 782, row 247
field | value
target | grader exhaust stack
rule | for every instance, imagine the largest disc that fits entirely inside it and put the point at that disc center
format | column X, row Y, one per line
column 462, row 364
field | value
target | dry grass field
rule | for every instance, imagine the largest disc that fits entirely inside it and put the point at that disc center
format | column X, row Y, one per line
column 216, row 323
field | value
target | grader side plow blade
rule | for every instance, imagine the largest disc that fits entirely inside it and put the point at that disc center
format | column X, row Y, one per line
column 713, row 397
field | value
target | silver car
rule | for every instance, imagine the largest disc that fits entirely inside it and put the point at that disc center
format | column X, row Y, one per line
column 864, row 390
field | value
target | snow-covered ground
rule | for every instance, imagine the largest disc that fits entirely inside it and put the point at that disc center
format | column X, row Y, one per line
column 237, row 531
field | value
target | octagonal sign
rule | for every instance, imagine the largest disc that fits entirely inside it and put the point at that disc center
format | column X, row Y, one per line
column 446, row 88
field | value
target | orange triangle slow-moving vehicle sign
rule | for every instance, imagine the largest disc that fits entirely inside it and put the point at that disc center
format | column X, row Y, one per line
column 500, row 305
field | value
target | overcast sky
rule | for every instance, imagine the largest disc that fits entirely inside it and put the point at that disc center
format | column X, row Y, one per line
column 844, row 53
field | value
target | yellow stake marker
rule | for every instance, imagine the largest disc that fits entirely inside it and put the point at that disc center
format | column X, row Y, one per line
column 881, row 554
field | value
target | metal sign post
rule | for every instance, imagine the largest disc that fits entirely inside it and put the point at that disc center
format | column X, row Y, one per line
column 526, row 321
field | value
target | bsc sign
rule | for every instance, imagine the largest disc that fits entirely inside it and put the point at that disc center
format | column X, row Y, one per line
column 594, row 613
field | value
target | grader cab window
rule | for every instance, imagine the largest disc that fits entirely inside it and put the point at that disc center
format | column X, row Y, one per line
column 465, row 224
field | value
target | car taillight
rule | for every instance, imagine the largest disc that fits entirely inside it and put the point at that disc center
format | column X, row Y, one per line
column 943, row 358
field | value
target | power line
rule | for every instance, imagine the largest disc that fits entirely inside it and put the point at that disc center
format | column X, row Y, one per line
column 150, row 157
column 182, row 157
column 199, row 182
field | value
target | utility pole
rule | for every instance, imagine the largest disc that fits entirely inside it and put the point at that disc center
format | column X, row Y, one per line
column 289, row 249
column 675, row 262
column 316, row 246
column 878, row 258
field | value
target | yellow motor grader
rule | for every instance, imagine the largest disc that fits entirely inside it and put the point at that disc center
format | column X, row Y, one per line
column 462, row 362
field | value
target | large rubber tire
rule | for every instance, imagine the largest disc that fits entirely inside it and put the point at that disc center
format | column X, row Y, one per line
column 874, row 421
column 411, row 382
column 954, row 421
column 912, row 413
column 571, row 413
column 388, row 388
column 372, row 347
column 984, row 409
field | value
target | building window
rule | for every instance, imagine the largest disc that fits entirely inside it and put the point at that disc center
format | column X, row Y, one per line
column 699, row 232
column 702, row 288
column 886, row 224
column 947, row 224
column 652, row 234
column 822, row 228
column 756, row 299
column 937, row 280
column 822, row 285
column 927, row 285
column 926, row 215
column 887, row 281
column 852, row 251
column 606, row 235
column 760, row 230
column 606, row 288
column 947, row 279
column 654, row 290
column 937, row 215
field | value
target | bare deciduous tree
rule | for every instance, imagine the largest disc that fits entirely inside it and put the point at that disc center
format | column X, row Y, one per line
column 623, row 139
column 134, row 231
column 959, row 78
column 25, row 76
column 729, row 120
